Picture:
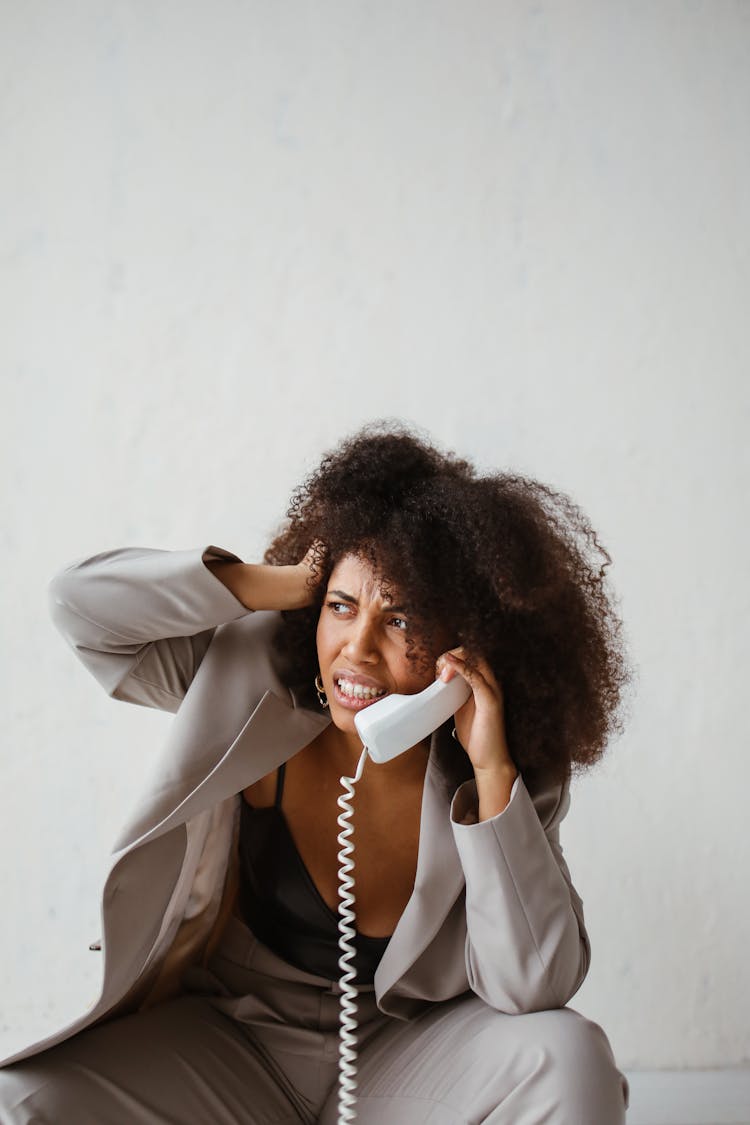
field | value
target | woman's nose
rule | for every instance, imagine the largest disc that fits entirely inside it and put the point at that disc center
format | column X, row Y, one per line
column 361, row 642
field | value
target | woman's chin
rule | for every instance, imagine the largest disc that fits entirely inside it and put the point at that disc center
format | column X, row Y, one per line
column 343, row 718
column 344, row 712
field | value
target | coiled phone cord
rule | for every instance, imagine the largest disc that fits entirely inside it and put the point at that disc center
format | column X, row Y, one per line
column 347, row 933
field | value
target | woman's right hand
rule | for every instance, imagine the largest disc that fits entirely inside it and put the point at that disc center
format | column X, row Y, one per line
column 305, row 571
column 266, row 586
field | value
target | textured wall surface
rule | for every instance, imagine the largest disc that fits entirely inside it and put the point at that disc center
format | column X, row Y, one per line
column 233, row 232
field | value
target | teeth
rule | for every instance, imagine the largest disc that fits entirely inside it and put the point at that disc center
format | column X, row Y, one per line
column 358, row 691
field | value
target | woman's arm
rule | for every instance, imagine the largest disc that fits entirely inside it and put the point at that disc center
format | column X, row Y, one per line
column 527, row 948
column 260, row 586
column 141, row 619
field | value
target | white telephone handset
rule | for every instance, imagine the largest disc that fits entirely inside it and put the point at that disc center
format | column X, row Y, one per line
column 387, row 728
column 395, row 723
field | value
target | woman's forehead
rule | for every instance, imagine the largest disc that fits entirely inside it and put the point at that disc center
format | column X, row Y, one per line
column 354, row 575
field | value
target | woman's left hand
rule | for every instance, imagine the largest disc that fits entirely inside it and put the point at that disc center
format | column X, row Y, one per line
column 480, row 721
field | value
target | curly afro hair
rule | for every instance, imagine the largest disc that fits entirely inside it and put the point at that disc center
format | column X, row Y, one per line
column 503, row 564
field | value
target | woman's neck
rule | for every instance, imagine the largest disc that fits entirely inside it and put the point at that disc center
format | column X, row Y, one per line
column 340, row 751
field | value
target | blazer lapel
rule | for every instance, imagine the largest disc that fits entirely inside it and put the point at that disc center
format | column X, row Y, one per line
column 274, row 731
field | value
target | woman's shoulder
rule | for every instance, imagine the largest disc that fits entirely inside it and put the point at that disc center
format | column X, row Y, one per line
column 550, row 795
column 249, row 639
column 242, row 659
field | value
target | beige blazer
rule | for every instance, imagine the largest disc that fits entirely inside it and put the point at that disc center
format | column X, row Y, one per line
column 493, row 909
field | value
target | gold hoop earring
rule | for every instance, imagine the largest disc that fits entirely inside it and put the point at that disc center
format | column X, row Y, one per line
column 322, row 697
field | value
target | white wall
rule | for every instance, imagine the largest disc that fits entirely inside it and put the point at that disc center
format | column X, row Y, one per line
column 233, row 232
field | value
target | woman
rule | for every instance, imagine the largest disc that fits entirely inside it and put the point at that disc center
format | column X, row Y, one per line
column 220, row 994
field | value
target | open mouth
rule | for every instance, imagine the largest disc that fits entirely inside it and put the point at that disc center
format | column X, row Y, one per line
column 356, row 696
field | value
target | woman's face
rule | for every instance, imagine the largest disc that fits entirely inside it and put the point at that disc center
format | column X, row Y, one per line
column 361, row 640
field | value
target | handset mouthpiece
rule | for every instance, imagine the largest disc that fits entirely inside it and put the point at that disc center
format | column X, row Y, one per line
column 394, row 724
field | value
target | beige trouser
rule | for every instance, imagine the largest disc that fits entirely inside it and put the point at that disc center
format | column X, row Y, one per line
column 256, row 1040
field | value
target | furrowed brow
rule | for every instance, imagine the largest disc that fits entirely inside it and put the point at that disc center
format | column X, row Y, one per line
column 353, row 601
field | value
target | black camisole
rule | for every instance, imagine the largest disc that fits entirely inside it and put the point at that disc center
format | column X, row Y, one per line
column 281, row 904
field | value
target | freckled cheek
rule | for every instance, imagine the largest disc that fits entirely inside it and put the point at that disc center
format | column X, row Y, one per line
column 328, row 643
column 411, row 681
column 419, row 673
column 420, row 685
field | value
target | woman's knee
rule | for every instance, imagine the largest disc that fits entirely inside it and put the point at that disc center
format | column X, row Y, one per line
column 556, row 1064
column 580, row 1067
column 586, row 1055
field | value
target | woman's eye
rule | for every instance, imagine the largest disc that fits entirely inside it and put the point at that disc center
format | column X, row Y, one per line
column 336, row 606
column 401, row 622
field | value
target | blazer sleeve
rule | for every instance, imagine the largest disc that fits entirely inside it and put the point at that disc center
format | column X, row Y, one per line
column 140, row 619
column 526, row 947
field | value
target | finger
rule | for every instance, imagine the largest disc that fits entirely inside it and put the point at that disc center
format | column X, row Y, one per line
column 452, row 665
column 486, row 670
column 479, row 663
column 481, row 678
column 444, row 664
column 315, row 553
